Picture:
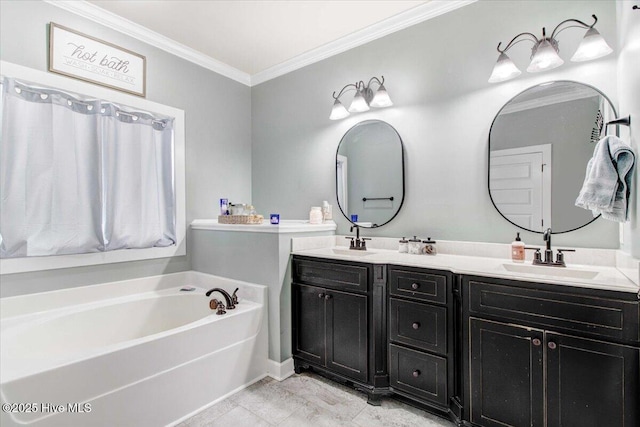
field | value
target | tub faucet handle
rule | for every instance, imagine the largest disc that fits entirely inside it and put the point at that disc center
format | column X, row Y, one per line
column 221, row 309
column 234, row 297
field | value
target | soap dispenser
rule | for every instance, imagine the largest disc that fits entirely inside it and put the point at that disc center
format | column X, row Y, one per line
column 517, row 249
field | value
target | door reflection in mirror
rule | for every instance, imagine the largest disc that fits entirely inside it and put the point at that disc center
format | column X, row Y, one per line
column 539, row 145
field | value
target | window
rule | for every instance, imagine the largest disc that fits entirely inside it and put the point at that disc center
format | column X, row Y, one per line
column 87, row 178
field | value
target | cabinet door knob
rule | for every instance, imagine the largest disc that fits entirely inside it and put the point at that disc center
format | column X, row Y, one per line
column 416, row 325
column 536, row 342
column 416, row 373
column 415, row 286
column 327, row 296
column 552, row 345
column 320, row 295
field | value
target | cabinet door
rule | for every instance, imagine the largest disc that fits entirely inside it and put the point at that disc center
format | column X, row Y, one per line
column 506, row 375
column 347, row 334
column 309, row 323
column 591, row 383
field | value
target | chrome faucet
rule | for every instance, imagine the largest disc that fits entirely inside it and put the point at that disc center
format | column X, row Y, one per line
column 548, row 253
column 358, row 244
column 231, row 300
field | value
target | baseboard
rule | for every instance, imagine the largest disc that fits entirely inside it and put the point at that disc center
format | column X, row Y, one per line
column 280, row 371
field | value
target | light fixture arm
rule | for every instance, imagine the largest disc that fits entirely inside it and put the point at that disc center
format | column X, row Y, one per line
column 532, row 38
column 354, row 85
column 557, row 30
column 380, row 83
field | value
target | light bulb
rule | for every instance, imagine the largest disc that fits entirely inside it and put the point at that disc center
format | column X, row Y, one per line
column 545, row 57
column 338, row 111
column 381, row 98
column 359, row 104
column 504, row 69
column 592, row 46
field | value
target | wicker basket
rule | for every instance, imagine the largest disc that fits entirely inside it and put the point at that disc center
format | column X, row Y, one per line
column 240, row 219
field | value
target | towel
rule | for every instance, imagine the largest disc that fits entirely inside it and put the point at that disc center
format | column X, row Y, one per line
column 607, row 182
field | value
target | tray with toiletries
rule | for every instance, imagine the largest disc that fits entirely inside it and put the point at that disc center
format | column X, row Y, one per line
column 240, row 219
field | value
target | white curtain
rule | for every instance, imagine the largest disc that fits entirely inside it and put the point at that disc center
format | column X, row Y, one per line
column 138, row 182
column 81, row 175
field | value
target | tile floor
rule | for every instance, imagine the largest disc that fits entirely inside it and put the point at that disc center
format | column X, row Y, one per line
column 309, row 400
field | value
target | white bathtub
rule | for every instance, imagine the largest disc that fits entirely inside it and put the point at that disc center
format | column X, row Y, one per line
column 130, row 353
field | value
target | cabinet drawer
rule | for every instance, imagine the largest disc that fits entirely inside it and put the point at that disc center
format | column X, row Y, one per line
column 419, row 325
column 563, row 311
column 335, row 275
column 419, row 374
column 418, row 284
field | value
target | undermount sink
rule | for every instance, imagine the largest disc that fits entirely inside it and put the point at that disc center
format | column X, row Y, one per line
column 351, row 252
column 550, row 271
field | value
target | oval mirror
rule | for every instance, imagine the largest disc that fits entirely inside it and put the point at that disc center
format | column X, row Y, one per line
column 539, row 146
column 370, row 173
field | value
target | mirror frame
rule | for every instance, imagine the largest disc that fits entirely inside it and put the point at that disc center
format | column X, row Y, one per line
column 615, row 113
column 403, row 173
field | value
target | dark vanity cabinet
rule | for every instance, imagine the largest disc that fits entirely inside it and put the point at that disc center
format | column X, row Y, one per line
column 550, row 355
column 339, row 319
column 421, row 335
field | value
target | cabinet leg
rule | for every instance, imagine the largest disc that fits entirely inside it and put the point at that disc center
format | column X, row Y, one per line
column 374, row 399
column 299, row 367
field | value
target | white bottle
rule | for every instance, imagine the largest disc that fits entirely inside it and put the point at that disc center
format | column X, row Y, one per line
column 315, row 215
column 403, row 246
column 327, row 213
column 517, row 249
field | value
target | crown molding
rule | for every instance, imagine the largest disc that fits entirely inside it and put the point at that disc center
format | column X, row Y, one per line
column 573, row 94
column 395, row 23
column 129, row 28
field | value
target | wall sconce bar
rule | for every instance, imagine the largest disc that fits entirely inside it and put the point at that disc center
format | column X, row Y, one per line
column 544, row 54
column 364, row 98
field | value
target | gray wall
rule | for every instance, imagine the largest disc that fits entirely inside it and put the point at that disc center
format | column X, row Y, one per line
column 567, row 126
column 218, row 135
column 628, row 90
column 436, row 74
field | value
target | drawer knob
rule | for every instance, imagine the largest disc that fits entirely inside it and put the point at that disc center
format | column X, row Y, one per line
column 320, row 295
column 536, row 342
column 416, row 325
column 416, row 373
column 552, row 345
column 415, row 286
column 327, row 296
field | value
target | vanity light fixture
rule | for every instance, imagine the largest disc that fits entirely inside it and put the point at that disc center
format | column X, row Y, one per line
column 363, row 99
column 544, row 54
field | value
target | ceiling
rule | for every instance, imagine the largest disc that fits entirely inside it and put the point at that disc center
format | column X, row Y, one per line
column 252, row 41
column 252, row 36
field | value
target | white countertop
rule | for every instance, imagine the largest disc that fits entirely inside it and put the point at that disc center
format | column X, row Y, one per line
column 285, row 226
column 607, row 278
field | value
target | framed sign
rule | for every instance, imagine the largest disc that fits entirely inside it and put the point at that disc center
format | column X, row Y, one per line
column 86, row 58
